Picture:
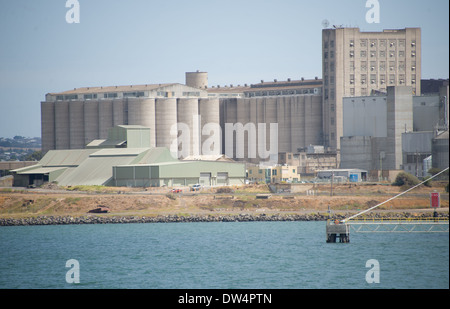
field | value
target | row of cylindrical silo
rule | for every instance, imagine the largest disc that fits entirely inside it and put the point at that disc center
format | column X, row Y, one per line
column 74, row 124
column 298, row 118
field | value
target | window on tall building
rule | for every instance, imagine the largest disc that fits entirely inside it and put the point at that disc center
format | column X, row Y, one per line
column 90, row 96
column 383, row 53
column 373, row 79
column 71, row 97
column 363, row 65
column 401, row 53
column 391, row 79
column 110, row 95
column 352, row 91
column 363, row 53
column 401, row 43
column 382, row 43
column 352, row 43
column 363, row 42
column 332, row 54
column 352, row 65
column 391, row 66
column 401, row 66
column 325, row 55
column 331, row 43
column 332, row 66
column 382, row 66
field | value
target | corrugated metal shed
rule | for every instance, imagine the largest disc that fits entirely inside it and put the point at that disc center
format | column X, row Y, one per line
column 97, row 168
column 66, row 157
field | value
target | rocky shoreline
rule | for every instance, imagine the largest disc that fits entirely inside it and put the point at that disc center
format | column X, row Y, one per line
column 91, row 219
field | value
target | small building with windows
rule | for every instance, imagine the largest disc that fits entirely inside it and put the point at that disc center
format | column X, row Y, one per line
column 273, row 174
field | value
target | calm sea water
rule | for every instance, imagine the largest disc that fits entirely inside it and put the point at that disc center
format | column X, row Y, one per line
column 254, row 255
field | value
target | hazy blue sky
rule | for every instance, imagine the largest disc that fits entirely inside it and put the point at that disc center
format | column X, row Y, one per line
column 151, row 41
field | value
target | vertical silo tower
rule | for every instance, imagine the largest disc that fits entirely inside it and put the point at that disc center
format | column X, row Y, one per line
column 142, row 112
column 91, row 120
column 188, row 124
column 76, row 125
column 166, row 119
column 209, row 110
column 62, row 136
column 197, row 79
column 105, row 118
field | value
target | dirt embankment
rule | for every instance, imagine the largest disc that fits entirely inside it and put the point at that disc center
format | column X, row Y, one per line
column 160, row 201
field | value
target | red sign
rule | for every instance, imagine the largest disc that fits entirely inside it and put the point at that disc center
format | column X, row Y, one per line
column 435, row 199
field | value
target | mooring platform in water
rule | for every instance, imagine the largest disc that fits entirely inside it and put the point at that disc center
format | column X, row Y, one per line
column 337, row 230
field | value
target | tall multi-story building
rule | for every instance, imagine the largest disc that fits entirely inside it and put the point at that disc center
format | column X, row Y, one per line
column 356, row 63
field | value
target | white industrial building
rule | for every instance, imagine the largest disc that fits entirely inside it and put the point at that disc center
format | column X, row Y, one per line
column 390, row 132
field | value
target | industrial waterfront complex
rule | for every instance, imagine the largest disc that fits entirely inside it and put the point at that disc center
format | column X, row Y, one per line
column 370, row 112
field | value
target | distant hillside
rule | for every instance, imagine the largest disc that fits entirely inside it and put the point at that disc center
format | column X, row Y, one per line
column 20, row 142
column 20, row 148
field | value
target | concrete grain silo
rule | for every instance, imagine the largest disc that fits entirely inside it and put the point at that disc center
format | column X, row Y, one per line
column 142, row 112
column 48, row 126
column 91, row 121
column 245, row 143
column 118, row 112
column 313, row 121
column 209, row 110
column 284, row 124
column 105, row 118
column 76, row 125
column 62, row 121
column 297, row 119
column 188, row 118
column 197, row 79
column 166, row 117
column 268, row 116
